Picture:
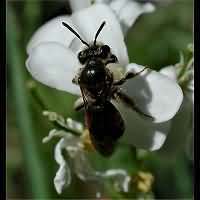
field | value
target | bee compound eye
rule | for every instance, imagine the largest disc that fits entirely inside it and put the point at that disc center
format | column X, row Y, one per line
column 82, row 57
column 113, row 58
column 104, row 50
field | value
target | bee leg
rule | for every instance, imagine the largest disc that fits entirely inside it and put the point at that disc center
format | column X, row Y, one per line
column 127, row 76
column 130, row 103
column 79, row 104
column 75, row 80
column 112, row 59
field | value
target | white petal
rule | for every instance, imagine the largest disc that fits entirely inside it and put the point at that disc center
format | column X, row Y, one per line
column 180, row 129
column 63, row 175
column 80, row 162
column 74, row 124
column 103, row 1
column 154, row 93
column 78, row 5
column 170, row 72
column 52, row 31
column 54, row 133
column 120, row 178
column 54, row 65
column 142, row 133
column 128, row 11
column 82, row 167
column 73, row 145
column 88, row 21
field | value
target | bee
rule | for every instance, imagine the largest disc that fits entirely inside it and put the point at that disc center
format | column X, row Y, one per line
column 98, row 87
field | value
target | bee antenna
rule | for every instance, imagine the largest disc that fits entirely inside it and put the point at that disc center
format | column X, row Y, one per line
column 98, row 31
column 75, row 33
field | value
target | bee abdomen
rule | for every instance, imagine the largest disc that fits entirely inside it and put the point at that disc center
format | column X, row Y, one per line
column 106, row 126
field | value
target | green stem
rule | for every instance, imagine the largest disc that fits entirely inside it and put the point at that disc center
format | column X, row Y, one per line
column 31, row 17
column 34, row 165
column 36, row 96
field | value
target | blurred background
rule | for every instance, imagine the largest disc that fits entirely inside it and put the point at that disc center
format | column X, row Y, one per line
column 155, row 40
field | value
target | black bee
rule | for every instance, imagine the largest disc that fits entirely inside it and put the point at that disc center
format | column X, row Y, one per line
column 98, row 88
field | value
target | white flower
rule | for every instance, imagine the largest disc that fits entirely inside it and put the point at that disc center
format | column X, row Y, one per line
column 78, row 161
column 73, row 146
column 181, row 126
column 53, row 61
column 126, row 11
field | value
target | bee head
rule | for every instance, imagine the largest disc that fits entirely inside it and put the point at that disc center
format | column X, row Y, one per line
column 94, row 51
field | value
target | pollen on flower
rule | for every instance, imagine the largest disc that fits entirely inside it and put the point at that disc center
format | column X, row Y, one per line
column 86, row 141
column 143, row 181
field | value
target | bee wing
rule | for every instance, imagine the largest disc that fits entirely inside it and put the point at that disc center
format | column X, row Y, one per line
column 129, row 102
column 84, row 97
